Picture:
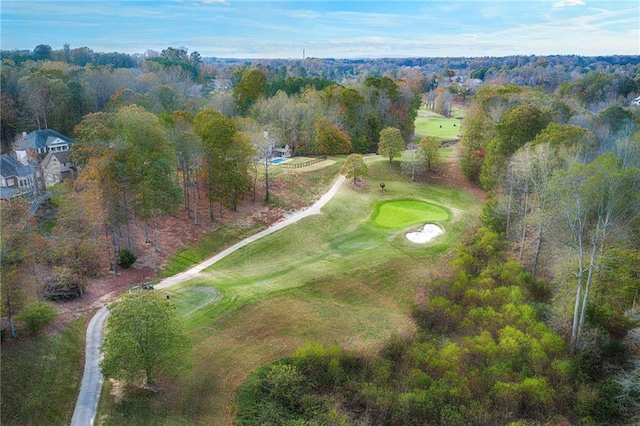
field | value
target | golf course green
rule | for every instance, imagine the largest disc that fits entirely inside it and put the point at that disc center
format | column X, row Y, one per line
column 403, row 213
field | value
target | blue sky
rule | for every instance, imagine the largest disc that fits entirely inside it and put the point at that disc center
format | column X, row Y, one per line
column 338, row 29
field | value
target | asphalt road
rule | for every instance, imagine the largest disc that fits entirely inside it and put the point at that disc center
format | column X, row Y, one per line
column 87, row 403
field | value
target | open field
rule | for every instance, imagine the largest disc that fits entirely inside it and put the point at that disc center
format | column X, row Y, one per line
column 47, row 368
column 336, row 278
column 428, row 123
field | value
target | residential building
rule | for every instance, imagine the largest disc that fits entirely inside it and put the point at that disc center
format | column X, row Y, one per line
column 17, row 179
column 57, row 167
column 33, row 147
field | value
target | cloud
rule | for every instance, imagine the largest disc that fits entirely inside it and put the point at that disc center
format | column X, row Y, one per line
column 563, row 3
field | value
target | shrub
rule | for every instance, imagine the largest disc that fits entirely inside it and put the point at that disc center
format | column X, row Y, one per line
column 90, row 261
column 439, row 315
column 36, row 316
column 628, row 383
column 616, row 324
column 126, row 258
column 285, row 383
column 64, row 284
column 538, row 290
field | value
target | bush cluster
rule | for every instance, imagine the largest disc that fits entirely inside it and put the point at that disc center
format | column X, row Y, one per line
column 481, row 355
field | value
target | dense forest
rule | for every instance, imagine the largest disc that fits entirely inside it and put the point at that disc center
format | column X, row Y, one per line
column 532, row 325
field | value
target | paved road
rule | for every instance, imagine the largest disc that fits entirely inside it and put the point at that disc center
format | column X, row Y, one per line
column 195, row 270
column 87, row 404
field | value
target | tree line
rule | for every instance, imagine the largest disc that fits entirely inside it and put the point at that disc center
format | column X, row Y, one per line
column 561, row 177
column 145, row 154
column 38, row 85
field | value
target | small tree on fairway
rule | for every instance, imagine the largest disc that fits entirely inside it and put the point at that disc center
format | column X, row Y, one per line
column 354, row 167
column 391, row 143
column 429, row 153
column 144, row 337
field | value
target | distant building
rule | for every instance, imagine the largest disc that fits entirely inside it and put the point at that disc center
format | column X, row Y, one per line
column 282, row 152
column 33, row 147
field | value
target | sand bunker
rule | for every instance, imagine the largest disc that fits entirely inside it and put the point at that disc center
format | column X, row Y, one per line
column 428, row 233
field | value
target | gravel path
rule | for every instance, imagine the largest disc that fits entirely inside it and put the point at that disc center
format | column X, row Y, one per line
column 87, row 403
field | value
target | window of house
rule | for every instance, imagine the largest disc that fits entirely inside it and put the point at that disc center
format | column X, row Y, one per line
column 10, row 182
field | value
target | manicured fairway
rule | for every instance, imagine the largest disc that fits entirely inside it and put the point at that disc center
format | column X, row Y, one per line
column 402, row 213
column 335, row 278
column 442, row 128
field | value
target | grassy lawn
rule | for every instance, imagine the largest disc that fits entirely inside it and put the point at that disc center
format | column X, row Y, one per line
column 40, row 378
column 335, row 278
column 428, row 123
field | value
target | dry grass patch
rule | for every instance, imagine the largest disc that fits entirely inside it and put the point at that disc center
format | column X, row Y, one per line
column 347, row 313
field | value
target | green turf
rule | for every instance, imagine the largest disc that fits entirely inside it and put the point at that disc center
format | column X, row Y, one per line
column 335, row 278
column 442, row 128
column 402, row 213
column 41, row 377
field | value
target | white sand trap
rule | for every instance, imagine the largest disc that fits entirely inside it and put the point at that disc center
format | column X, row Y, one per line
column 428, row 233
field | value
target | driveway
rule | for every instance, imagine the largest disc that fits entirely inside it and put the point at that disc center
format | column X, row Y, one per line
column 87, row 403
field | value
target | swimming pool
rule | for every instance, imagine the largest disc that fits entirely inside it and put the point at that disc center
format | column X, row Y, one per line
column 279, row 160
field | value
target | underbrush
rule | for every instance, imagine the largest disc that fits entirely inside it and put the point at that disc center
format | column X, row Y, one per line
column 481, row 355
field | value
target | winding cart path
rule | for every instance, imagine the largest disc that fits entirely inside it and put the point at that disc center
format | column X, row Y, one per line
column 89, row 396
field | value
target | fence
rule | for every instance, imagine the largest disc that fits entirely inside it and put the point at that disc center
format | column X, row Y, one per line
column 304, row 163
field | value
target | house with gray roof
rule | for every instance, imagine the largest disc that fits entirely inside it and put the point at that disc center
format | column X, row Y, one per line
column 17, row 179
column 33, row 147
column 57, row 167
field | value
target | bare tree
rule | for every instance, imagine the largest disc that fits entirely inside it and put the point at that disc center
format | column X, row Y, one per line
column 591, row 200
